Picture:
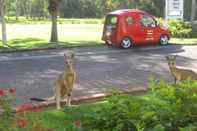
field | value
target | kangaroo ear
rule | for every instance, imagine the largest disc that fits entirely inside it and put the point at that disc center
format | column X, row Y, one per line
column 65, row 56
column 72, row 54
column 174, row 57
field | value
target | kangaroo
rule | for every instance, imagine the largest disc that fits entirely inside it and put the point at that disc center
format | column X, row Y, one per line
column 179, row 74
column 64, row 83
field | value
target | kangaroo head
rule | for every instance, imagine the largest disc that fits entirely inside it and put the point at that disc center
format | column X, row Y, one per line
column 171, row 60
column 69, row 58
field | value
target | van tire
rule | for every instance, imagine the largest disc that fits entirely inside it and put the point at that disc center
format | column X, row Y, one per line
column 163, row 40
column 126, row 43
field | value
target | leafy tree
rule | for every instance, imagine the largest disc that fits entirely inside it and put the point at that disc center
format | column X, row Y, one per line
column 39, row 9
column 98, row 8
column 10, row 7
column 72, row 8
column 159, row 8
column 25, row 7
column 92, row 9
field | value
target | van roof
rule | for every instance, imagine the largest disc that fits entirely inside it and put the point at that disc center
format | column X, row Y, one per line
column 125, row 11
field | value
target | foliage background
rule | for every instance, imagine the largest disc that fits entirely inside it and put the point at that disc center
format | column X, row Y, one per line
column 37, row 9
column 164, row 108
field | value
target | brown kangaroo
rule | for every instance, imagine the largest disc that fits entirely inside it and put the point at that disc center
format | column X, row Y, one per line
column 64, row 83
column 179, row 74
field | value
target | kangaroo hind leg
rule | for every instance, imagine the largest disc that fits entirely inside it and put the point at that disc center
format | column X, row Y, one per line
column 58, row 97
column 68, row 101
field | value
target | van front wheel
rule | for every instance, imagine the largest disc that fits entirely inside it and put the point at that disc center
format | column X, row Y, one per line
column 126, row 43
column 164, row 40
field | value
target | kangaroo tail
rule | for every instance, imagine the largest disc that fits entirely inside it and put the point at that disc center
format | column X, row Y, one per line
column 43, row 99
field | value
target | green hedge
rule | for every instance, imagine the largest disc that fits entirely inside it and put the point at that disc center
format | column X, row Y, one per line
column 165, row 108
column 181, row 29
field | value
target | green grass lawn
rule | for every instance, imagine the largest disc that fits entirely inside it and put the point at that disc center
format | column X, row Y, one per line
column 35, row 43
column 22, row 37
column 62, row 120
column 23, row 20
column 184, row 41
column 31, row 36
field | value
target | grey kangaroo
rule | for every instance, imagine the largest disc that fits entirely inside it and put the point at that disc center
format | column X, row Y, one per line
column 180, row 74
column 64, row 83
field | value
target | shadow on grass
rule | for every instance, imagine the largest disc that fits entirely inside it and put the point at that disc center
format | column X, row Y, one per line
column 22, row 43
column 73, row 44
column 17, row 41
column 26, row 43
column 35, row 43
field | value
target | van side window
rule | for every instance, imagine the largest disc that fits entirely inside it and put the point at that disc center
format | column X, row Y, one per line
column 147, row 21
column 111, row 21
column 129, row 20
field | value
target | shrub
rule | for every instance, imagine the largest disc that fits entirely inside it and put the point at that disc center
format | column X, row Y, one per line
column 10, row 121
column 180, row 29
column 6, row 115
column 165, row 108
column 181, row 101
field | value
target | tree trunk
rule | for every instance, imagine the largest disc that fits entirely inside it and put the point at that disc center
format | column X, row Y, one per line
column 193, row 10
column 17, row 10
column 54, row 35
column 29, row 6
column 2, row 14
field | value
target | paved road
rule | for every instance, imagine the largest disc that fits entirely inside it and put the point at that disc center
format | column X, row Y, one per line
column 98, row 69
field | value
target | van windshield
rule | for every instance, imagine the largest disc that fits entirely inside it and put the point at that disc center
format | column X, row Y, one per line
column 111, row 20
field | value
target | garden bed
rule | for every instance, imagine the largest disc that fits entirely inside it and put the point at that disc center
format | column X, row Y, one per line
column 165, row 107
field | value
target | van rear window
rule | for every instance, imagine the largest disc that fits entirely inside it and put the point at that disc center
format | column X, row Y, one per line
column 111, row 20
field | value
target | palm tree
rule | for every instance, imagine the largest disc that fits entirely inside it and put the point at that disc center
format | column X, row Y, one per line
column 53, row 10
column 2, row 14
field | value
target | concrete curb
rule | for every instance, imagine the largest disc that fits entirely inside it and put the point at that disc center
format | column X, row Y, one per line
column 80, row 100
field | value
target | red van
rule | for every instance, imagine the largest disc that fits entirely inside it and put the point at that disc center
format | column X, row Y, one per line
column 129, row 27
